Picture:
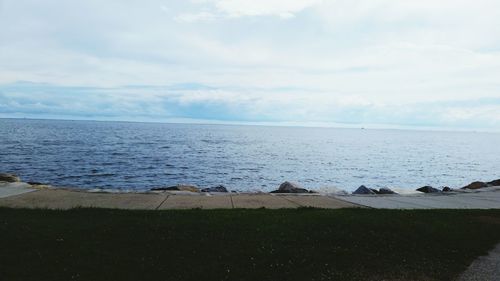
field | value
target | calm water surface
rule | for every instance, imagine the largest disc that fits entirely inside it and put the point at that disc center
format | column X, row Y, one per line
column 121, row 155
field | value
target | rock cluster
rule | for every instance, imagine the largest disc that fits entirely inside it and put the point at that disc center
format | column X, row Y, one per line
column 191, row 188
column 9, row 178
column 289, row 187
column 428, row 189
column 363, row 190
column 286, row 187
column 179, row 187
column 385, row 190
column 494, row 183
column 472, row 185
column 475, row 185
column 14, row 180
column 219, row 188
column 480, row 184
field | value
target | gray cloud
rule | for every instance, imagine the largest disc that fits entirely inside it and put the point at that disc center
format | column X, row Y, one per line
column 200, row 102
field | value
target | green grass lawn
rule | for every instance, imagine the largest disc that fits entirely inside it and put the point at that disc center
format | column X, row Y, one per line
column 300, row 244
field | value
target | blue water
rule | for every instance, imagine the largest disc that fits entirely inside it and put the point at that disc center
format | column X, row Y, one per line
column 120, row 155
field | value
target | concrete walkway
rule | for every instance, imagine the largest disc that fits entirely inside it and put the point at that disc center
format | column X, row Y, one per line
column 15, row 188
column 486, row 268
column 487, row 198
column 67, row 199
column 22, row 195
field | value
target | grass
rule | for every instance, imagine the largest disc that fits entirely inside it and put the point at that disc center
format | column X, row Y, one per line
column 300, row 244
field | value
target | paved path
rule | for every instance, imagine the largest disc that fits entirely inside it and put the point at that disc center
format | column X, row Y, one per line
column 488, row 198
column 66, row 199
column 486, row 268
column 24, row 196
column 16, row 188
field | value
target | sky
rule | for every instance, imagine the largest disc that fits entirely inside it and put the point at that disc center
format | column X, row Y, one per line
column 348, row 63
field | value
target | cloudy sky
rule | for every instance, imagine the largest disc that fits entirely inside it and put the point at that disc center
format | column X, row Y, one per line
column 380, row 63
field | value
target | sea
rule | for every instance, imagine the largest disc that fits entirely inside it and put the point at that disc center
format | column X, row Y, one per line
column 130, row 156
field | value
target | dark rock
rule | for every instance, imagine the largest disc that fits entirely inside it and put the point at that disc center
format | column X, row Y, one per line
column 476, row 185
column 447, row 189
column 9, row 178
column 494, row 183
column 219, row 188
column 375, row 191
column 159, row 188
column 363, row 190
column 385, row 190
column 428, row 189
column 179, row 187
column 35, row 183
column 289, row 187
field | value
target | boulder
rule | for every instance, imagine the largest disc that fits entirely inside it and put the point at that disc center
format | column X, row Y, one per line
column 289, row 187
column 35, row 183
column 476, row 185
column 179, row 187
column 447, row 189
column 494, row 183
column 363, row 190
column 385, row 190
column 428, row 189
column 39, row 185
column 9, row 178
column 219, row 188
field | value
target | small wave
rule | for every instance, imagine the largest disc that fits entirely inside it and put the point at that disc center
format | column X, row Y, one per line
column 61, row 177
column 100, row 175
column 331, row 190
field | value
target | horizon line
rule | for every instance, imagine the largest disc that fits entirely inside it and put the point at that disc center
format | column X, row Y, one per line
column 318, row 125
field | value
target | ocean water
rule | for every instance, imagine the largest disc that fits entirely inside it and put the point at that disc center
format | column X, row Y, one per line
column 139, row 156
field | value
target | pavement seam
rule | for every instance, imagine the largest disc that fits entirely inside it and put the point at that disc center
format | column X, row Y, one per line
column 354, row 203
column 162, row 202
column 232, row 203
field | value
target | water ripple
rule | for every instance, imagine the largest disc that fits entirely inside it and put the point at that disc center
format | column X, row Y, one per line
column 130, row 156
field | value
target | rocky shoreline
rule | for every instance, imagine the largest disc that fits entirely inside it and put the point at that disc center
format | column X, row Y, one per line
column 285, row 188
column 17, row 194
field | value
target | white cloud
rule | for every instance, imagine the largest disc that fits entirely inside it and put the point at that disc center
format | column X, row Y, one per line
column 194, row 17
column 224, row 9
column 280, row 8
column 487, row 114
column 463, row 23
